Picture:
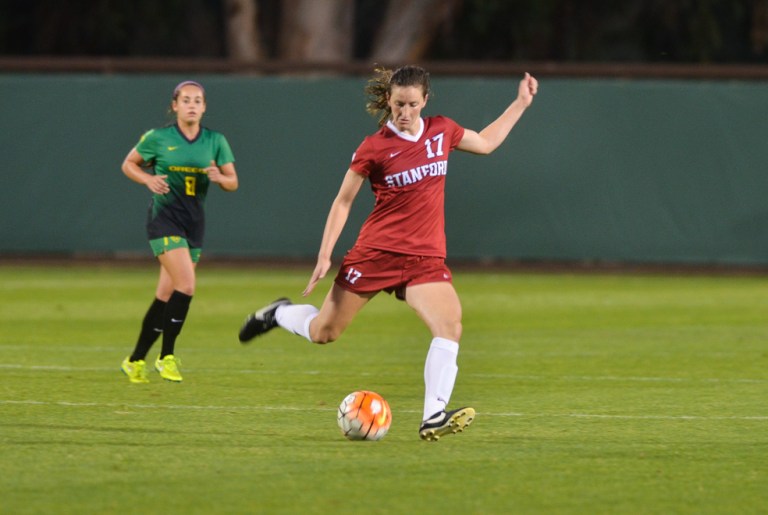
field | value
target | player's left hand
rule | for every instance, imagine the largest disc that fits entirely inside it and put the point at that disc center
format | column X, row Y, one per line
column 527, row 89
column 214, row 172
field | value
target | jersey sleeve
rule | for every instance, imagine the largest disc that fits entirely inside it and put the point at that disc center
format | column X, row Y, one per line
column 147, row 146
column 363, row 159
column 455, row 130
column 224, row 153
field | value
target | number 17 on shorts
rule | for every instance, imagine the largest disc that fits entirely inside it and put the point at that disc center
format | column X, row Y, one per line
column 352, row 275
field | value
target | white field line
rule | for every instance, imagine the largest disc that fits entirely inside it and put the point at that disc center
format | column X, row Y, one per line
column 123, row 406
column 515, row 377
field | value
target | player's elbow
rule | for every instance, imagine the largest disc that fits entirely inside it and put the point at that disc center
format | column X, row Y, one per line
column 488, row 146
column 481, row 147
column 230, row 186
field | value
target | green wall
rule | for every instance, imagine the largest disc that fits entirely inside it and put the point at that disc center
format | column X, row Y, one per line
column 598, row 170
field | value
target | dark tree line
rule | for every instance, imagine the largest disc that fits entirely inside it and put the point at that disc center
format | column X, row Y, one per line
column 683, row 31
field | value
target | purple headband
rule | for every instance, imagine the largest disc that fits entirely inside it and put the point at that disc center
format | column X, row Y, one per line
column 187, row 83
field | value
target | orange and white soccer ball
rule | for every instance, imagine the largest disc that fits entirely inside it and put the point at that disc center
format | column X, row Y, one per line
column 364, row 415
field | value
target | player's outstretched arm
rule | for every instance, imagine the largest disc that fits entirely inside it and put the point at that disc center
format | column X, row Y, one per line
column 489, row 139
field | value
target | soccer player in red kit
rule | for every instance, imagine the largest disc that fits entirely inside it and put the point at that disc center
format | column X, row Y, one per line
column 401, row 245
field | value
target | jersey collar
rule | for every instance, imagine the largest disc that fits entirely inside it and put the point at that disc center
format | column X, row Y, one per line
column 409, row 137
column 197, row 137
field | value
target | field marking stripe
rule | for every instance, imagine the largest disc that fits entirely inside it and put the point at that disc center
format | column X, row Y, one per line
column 292, row 408
column 190, row 407
column 629, row 417
column 62, row 368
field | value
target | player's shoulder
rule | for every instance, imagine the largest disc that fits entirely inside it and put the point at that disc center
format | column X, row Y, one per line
column 213, row 134
column 371, row 148
column 165, row 131
column 210, row 132
column 376, row 139
column 383, row 132
column 444, row 124
column 439, row 120
column 158, row 133
column 149, row 135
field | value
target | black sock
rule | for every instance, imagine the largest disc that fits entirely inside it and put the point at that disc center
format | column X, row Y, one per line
column 175, row 313
column 151, row 328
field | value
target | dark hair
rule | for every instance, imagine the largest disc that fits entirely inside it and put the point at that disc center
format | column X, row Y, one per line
column 380, row 85
column 180, row 85
column 176, row 92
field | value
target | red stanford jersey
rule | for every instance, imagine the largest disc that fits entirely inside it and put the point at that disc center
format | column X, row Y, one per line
column 407, row 175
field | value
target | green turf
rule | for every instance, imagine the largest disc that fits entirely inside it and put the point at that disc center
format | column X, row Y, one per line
column 594, row 393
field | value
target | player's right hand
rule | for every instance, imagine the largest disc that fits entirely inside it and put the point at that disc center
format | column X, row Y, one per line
column 157, row 184
column 322, row 267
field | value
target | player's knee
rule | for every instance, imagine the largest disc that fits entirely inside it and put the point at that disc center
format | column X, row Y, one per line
column 451, row 331
column 324, row 334
column 457, row 330
column 323, row 338
column 186, row 288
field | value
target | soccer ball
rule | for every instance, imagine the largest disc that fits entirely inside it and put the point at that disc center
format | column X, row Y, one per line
column 364, row 415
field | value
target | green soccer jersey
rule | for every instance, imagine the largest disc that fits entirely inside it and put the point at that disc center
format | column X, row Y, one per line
column 180, row 211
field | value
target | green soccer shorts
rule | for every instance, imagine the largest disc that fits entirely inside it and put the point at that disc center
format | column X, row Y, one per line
column 166, row 243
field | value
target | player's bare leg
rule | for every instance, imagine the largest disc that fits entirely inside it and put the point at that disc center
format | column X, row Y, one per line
column 177, row 265
column 319, row 326
column 337, row 312
column 438, row 305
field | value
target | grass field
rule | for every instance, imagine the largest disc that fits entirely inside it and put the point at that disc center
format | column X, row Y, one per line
column 595, row 394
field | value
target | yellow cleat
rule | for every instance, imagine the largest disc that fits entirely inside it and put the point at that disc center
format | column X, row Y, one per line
column 135, row 370
column 169, row 368
column 445, row 423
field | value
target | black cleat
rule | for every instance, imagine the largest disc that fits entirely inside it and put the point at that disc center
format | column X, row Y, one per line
column 261, row 321
column 446, row 422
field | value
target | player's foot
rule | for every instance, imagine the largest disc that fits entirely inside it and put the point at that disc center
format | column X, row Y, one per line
column 169, row 368
column 446, row 422
column 135, row 370
column 261, row 321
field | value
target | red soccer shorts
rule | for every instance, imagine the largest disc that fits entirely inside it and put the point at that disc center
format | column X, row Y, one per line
column 366, row 270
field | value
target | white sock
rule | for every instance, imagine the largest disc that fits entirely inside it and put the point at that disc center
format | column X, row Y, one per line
column 439, row 375
column 296, row 318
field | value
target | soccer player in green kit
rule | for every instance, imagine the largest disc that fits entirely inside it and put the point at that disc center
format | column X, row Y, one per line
column 182, row 159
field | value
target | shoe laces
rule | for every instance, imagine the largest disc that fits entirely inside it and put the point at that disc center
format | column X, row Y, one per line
column 140, row 368
column 171, row 362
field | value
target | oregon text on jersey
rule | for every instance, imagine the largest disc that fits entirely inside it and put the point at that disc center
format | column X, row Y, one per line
column 186, row 169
